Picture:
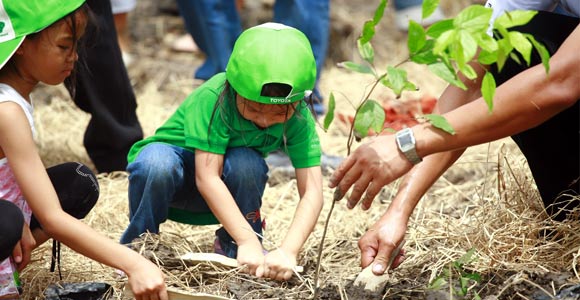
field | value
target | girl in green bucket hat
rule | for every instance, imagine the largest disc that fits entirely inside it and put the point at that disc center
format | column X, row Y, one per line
column 38, row 43
column 206, row 164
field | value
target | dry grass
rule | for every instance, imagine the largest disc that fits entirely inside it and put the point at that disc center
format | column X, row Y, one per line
column 486, row 201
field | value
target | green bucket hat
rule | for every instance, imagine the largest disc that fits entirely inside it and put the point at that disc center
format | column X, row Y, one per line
column 19, row 18
column 272, row 53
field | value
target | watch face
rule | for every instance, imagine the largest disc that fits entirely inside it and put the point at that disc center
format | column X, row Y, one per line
column 405, row 140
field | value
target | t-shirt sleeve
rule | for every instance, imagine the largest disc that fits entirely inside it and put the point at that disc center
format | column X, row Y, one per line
column 204, row 124
column 302, row 142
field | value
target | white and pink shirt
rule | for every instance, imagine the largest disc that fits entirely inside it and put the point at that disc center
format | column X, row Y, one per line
column 9, row 189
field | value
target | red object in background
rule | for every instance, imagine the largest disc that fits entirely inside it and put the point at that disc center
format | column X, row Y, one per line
column 400, row 114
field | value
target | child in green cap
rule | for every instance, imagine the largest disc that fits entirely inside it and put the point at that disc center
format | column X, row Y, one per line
column 38, row 43
column 208, row 157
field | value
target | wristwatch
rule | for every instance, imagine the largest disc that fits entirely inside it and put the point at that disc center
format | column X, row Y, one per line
column 406, row 143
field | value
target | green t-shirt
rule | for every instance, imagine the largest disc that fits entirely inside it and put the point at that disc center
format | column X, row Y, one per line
column 189, row 128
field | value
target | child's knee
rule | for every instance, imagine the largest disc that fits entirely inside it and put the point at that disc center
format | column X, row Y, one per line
column 11, row 223
column 82, row 194
column 156, row 161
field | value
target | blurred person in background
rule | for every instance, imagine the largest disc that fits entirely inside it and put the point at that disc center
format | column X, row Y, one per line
column 103, row 89
column 121, row 10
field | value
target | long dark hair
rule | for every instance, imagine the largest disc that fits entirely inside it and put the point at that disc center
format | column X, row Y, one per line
column 80, row 44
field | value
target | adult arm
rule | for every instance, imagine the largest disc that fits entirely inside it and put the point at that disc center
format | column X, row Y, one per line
column 279, row 263
column 17, row 144
column 527, row 100
column 379, row 242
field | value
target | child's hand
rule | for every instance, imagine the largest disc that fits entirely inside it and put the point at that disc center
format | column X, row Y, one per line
column 278, row 265
column 147, row 281
column 22, row 250
column 250, row 256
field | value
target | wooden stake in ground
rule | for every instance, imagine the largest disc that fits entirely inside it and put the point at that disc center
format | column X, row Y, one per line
column 376, row 283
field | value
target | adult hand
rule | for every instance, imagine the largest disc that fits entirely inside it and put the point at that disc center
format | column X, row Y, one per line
column 370, row 167
column 380, row 241
column 23, row 249
column 251, row 257
column 147, row 282
column 279, row 264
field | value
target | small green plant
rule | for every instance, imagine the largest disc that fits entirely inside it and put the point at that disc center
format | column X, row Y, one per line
column 448, row 47
column 457, row 278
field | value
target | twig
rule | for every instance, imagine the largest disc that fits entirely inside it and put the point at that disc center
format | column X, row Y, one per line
column 337, row 196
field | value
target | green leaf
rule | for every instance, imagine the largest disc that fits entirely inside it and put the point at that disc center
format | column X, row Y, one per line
column 366, row 51
column 379, row 12
column 368, row 32
column 485, row 42
column 425, row 55
column 503, row 51
column 522, row 45
column 457, row 55
column 468, row 71
column 472, row 276
column 440, row 122
column 330, row 114
column 371, row 115
column 464, row 283
column 514, row 18
column 437, row 283
column 429, row 6
column 486, row 57
column 544, row 54
column 474, row 18
column 416, row 37
column 503, row 32
column 443, row 41
column 467, row 257
column 446, row 73
column 468, row 45
column 365, row 69
column 397, row 80
column 488, row 86
column 438, row 28
column 515, row 57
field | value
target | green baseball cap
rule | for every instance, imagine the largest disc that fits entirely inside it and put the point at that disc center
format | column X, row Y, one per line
column 272, row 53
column 19, row 18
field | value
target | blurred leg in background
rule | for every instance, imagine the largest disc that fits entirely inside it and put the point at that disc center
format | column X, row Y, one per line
column 214, row 25
column 121, row 10
column 101, row 87
column 312, row 18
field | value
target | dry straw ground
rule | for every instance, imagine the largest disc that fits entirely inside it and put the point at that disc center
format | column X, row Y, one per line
column 487, row 201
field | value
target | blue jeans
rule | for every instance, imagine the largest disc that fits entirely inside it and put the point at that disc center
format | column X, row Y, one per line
column 214, row 25
column 402, row 4
column 163, row 176
column 312, row 18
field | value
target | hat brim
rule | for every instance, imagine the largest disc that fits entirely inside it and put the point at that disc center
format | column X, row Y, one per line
column 8, row 48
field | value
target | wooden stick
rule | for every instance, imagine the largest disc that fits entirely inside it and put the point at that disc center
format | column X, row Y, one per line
column 372, row 282
column 196, row 257
column 175, row 294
